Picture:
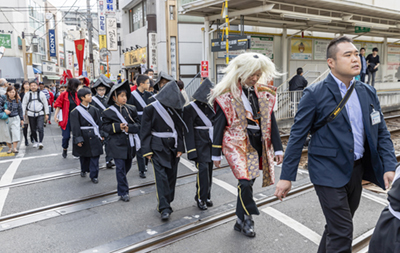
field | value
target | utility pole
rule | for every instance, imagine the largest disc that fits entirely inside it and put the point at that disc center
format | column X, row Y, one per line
column 90, row 25
column 24, row 57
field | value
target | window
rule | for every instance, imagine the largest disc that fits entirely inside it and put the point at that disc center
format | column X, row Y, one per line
column 137, row 17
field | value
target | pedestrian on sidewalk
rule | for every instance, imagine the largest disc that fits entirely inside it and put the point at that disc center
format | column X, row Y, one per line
column 101, row 89
column 245, row 129
column 85, row 125
column 25, row 89
column 36, row 107
column 350, row 142
column 162, row 142
column 65, row 103
column 121, row 122
column 15, row 119
column 198, row 116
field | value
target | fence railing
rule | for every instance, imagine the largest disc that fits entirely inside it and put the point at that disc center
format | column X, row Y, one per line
column 321, row 77
column 287, row 104
column 193, row 85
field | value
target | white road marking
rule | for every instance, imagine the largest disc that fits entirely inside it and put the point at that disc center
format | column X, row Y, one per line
column 215, row 180
column 30, row 157
column 225, row 185
column 8, row 176
column 375, row 198
column 188, row 164
column 293, row 224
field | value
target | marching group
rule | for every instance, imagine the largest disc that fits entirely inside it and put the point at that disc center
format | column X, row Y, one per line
column 155, row 122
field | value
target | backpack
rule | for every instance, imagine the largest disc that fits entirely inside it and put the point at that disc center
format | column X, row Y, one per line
column 32, row 99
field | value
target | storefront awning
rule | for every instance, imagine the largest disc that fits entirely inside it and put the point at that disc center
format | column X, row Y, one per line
column 52, row 77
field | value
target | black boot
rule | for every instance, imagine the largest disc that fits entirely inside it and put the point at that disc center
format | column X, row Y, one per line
column 200, row 204
column 248, row 228
column 64, row 153
column 26, row 142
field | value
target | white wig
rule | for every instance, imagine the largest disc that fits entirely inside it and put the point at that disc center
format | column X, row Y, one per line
column 241, row 68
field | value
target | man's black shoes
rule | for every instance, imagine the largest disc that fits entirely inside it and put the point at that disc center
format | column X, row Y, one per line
column 209, row 203
column 95, row 180
column 142, row 174
column 64, row 153
column 110, row 164
column 165, row 215
column 200, row 204
column 83, row 174
column 125, row 198
column 247, row 228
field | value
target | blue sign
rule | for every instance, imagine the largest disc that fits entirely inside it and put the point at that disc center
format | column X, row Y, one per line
column 52, row 43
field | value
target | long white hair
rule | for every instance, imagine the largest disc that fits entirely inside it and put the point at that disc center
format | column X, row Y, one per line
column 240, row 68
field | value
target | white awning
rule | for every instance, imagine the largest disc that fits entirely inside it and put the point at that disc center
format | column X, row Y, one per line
column 11, row 68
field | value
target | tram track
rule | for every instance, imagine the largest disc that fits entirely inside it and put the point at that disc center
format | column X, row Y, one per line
column 86, row 199
column 360, row 244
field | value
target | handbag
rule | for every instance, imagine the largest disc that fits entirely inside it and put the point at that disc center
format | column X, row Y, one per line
column 3, row 115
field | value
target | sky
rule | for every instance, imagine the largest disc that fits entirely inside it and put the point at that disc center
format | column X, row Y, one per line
column 79, row 3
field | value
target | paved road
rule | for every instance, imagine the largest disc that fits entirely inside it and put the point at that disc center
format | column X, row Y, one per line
column 102, row 225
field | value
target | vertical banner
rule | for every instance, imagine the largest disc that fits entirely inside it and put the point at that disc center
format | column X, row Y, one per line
column 173, row 56
column 102, row 18
column 110, row 7
column 153, row 51
column 111, row 24
column 102, row 41
column 52, row 43
column 204, row 68
column 80, row 51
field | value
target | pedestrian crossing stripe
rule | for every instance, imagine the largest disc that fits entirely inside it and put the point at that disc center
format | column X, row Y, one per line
column 4, row 154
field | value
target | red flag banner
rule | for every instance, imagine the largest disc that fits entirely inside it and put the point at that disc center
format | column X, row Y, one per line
column 64, row 78
column 80, row 51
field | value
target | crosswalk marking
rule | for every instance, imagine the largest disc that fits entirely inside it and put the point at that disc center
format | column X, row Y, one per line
column 293, row 224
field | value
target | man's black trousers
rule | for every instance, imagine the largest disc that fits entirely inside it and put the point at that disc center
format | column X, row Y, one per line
column 36, row 124
column 339, row 206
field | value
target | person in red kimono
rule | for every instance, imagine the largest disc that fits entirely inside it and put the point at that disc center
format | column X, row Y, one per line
column 245, row 129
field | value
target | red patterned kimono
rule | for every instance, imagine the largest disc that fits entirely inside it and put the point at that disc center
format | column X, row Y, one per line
column 241, row 156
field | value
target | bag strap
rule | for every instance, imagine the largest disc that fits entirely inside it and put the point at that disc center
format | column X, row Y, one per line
column 337, row 110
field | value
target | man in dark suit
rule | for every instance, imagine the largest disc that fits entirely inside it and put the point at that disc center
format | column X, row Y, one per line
column 355, row 145
column 363, row 65
column 298, row 82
